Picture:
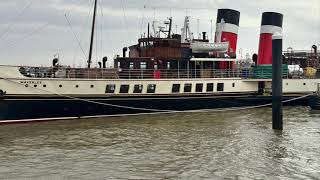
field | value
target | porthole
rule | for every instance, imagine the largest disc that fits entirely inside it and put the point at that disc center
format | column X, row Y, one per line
column 77, row 86
column 92, row 86
column 44, row 85
column 60, row 86
column 35, row 85
column 304, row 84
column 233, row 84
column 287, row 84
column 27, row 85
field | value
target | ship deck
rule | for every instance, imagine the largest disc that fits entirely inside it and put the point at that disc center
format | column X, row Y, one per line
column 248, row 74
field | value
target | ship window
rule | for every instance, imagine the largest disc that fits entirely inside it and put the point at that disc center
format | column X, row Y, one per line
column 304, row 84
column 165, row 43
column 210, row 87
column 233, row 84
column 143, row 65
column 220, row 87
column 176, row 88
column 199, row 88
column 44, row 85
column 60, row 86
column 35, row 86
column 155, row 66
column 124, row 89
column 168, row 65
column 27, row 85
column 110, row 88
column 131, row 65
column 151, row 88
column 138, row 88
column 92, row 86
column 77, row 86
column 187, row 88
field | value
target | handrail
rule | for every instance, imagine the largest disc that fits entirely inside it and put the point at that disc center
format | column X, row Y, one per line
column 97, row 73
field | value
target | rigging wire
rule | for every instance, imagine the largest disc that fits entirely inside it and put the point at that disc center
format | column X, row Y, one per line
column 75, row 36
column 10, row 26
column 125, row 18
column 143, row 16
column 85, row 24
column 36, row 31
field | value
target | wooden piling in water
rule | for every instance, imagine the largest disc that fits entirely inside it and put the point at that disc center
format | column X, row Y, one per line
column 277, row 111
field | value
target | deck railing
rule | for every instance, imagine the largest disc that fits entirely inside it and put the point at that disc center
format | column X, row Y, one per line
column 96, row 73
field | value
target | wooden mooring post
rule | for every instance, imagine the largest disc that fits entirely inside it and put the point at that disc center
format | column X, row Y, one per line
column 277, row 111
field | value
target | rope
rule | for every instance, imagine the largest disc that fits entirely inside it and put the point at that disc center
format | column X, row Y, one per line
column 161, row 110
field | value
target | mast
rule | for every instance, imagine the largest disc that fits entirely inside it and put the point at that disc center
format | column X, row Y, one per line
column 92, row 33
column 170, row 27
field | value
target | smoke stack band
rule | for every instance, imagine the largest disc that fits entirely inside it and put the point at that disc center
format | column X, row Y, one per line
column 271, row 24
column 227, row 31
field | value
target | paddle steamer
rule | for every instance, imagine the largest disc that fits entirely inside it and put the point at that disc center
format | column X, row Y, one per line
column 164, row 72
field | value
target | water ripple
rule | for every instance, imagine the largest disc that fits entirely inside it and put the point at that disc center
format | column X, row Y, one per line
column 236, row 145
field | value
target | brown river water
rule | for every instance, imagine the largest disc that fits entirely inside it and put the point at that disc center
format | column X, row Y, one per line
column 229, row 145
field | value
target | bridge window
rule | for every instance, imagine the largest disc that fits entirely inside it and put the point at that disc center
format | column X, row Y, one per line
column 168, row 65
column 143, row 65
column 124, row 89
column 187, row 88
column 110, row 88
column 210, row 87
column 138, row 88
column 131, row 65
column 151, row 88
column 220, row 87
column 176, row 88
column 199, row 88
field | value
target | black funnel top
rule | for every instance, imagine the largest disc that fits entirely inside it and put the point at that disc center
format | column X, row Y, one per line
column 229, row 15
column 272, row 18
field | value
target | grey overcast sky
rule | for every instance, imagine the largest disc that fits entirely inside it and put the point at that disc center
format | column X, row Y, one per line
column 32, row 31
